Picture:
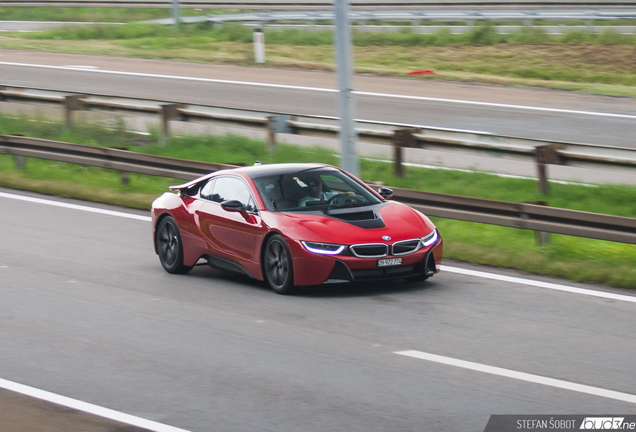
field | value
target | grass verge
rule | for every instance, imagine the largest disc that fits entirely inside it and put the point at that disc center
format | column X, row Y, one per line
column 94, row 14
column 568, row 257
column 579, row 61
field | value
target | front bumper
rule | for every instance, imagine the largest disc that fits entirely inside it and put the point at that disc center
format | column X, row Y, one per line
column 316, row 269
column 425, row 264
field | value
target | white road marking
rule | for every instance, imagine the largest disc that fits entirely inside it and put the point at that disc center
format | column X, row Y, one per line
column 508, row 373
column 539, row 284
column 81, row 67
column 88, row 407
column 457, row 270
column 442, row 168
column 498, row 105
column 320, row 89
column 75, row 207
column 176, row 77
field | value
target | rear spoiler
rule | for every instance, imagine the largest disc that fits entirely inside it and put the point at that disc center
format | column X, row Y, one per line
column 190, row 183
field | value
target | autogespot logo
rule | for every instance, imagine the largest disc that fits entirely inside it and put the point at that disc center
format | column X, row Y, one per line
column 606, row 423
column 550, row 423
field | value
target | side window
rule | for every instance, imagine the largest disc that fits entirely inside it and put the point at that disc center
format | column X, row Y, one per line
column 230, row 188
column 251, row 205
column 206, row 191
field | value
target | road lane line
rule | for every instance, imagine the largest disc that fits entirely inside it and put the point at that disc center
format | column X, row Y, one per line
column 75, row 207
column 81, row 67
column 449, row 269
column 175, row 77
column 87, row 407
column 498, row 105
column 322, row 89
column 522, row 376
column 538, row 284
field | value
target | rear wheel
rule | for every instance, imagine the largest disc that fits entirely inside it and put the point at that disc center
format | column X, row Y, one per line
column 277, row 265
column 170, row 247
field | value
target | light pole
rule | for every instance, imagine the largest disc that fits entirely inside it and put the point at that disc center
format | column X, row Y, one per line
column 175, row 13
column 344, row 68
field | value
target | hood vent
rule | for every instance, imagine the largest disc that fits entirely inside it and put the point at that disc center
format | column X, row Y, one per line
column 358, row 216
column 363, row 219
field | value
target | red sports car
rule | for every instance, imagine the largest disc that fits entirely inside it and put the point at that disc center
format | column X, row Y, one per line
column 293, row 225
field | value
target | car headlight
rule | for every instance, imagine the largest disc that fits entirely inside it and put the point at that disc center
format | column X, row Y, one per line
column 323, row 248
column 429, row 239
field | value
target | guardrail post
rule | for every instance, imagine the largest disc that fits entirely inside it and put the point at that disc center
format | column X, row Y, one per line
column 124, row 177
column 276, row 124
column 168, row 112
column 72, row 103
column 402, row 138
column 544, row 155
column 397, row 161
column 20, row 161
column 271, row 134
column 542, row 237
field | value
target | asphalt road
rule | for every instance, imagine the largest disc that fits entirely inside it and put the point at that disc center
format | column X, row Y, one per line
column 499, row 110
column 87, row 312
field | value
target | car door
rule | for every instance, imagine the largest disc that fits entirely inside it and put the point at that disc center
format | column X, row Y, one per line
column 229, row 232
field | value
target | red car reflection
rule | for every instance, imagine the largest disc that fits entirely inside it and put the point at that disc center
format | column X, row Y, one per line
column 293, row 225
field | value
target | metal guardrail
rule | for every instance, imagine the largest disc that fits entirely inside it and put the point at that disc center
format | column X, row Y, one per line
column 322, row 4
column 416, row 16
column 453, row 29
column 398, row 135
column 516, row 215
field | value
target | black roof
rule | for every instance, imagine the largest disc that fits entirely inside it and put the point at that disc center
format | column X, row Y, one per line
column 264, row 170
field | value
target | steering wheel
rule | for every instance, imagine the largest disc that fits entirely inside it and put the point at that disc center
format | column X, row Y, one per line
column 348, row 198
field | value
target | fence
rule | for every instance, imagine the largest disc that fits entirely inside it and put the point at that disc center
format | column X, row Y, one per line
column 398, row 135
column 517, row 215
column 322, row 4
column 415, row 17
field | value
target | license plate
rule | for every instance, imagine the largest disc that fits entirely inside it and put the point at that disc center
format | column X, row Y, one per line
column 389, row 262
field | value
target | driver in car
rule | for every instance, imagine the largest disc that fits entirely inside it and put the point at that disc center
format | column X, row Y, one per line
column 315, row 192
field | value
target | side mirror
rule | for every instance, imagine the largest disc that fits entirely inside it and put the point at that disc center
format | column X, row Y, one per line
column 233, row 206
column 237, row 206
column 385, row 192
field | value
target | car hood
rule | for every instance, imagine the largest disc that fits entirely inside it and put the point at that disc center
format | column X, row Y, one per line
column 400, row 222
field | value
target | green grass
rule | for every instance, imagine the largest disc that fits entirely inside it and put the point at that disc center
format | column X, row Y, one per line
column 95, row 14
column 569, row 257
column 480, row 35
column 575, row 61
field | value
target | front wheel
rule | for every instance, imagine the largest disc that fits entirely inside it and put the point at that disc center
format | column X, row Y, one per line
column 277, row 265
column 170, row 247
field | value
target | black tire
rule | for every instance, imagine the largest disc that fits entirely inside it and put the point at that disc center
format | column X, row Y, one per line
column 277, row 265
column 170, row 247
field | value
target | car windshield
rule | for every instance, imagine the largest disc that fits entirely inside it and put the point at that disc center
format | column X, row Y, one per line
column 316, row 189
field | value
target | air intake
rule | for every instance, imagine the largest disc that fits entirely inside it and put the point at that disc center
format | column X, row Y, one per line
column 405, row 247
column 370, row 250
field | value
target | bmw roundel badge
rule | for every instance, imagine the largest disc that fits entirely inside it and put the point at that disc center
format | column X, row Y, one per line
column 387, row 238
